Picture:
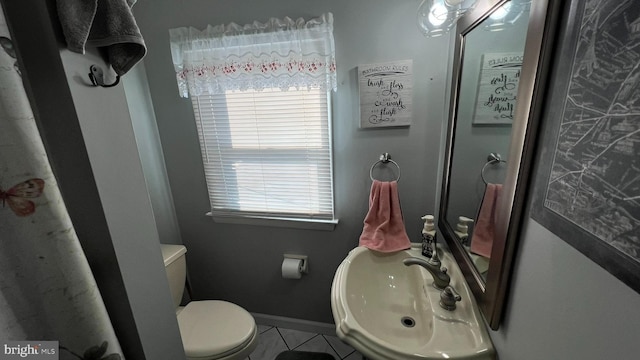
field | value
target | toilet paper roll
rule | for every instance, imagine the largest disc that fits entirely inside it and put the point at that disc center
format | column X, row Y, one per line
column 291, row 268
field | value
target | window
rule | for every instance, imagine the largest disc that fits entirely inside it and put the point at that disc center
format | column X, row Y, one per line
column 260, row 94
column 267, row 153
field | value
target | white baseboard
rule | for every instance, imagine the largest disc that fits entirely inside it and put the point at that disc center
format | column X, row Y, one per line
column 295, row 324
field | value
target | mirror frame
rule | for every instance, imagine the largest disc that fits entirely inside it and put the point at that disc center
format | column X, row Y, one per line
column 491, row 295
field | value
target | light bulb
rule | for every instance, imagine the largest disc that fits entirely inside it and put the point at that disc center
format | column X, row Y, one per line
column 507, row 15
column 438, row 14
column 434, row 18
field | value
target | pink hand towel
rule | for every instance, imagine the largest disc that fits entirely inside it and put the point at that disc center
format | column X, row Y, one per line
column 485, row 228
column 383, row 226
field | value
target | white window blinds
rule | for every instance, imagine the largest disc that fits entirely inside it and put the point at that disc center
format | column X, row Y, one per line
column 267, row 153
column 260, row 97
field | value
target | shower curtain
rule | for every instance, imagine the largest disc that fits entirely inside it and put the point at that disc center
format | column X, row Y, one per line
column 47, row 291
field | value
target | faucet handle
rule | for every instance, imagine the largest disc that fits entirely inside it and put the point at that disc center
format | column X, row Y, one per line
column 448, row 298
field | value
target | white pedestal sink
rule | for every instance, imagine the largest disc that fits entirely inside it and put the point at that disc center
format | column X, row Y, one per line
column 389, row 311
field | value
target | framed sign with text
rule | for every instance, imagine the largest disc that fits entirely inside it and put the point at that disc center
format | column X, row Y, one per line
column 497, row 88
column 386, row 92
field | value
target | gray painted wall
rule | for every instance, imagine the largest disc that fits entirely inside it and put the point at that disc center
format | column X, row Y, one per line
column 145, row 128
column 242, row 263
column 564, row 306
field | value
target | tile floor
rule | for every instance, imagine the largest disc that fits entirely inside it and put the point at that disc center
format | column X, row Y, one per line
column 274, row 340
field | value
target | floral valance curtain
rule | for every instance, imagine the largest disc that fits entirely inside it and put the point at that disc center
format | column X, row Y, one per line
column 277, row 54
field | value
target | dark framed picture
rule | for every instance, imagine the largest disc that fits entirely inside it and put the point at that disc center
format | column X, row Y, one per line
column 587, row 185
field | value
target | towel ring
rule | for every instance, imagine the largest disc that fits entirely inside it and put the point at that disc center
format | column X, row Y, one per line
column 384, row 159
column 493, row 158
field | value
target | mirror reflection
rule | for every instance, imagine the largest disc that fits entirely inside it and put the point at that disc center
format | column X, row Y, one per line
column 492, row 60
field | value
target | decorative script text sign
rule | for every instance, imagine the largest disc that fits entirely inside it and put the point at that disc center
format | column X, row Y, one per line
column 386, row 94
column 497, row 88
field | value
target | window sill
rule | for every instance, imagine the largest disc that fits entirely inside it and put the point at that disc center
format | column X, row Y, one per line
column 308, row 224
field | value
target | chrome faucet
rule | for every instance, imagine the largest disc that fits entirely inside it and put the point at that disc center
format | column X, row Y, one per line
column 440, row 277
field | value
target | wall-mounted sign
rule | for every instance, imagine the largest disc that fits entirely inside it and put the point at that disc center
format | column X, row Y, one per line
column 386, row 94
column 497, row 88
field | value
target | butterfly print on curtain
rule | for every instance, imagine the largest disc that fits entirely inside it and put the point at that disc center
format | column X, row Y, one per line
column 18, row 195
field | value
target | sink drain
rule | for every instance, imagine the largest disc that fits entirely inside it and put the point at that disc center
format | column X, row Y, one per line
column 408, row 321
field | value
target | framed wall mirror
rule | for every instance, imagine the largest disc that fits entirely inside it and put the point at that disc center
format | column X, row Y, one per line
column 498, row 76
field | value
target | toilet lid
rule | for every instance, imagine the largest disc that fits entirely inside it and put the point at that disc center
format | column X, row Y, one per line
column 214, row 327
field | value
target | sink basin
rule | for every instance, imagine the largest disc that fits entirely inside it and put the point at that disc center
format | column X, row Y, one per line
column 387, row 310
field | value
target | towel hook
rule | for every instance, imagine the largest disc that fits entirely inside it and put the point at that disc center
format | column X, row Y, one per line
column 492, row 158
column 384, row 159
column 97, row 77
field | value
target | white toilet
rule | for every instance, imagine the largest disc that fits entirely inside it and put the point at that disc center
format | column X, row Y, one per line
column 210, row 329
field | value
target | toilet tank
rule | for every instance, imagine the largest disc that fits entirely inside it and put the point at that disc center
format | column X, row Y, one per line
column 176, row 267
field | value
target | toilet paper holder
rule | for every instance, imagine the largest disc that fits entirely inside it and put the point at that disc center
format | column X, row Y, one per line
column 304, row 258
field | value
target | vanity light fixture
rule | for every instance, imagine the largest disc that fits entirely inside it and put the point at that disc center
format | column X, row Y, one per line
column 437, row 17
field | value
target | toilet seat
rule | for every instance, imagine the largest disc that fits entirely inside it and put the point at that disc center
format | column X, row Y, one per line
column 215, row 329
